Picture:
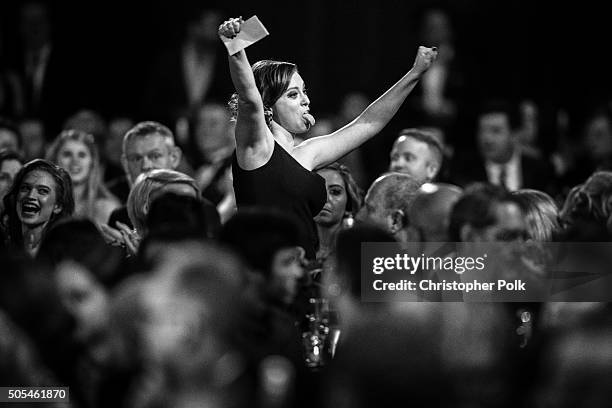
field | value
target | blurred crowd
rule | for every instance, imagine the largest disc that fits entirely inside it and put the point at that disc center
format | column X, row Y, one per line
column 128, row 274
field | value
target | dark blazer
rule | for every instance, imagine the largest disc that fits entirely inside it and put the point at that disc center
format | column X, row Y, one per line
column 537, row 173
column 61, row 92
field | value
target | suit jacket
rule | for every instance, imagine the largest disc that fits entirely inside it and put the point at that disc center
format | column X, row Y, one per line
column 537, row 173
column 61, row 92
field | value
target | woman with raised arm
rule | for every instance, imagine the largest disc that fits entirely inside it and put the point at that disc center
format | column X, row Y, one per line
column 271, row 107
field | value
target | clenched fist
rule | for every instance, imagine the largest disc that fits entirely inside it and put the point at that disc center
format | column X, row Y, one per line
column 424, row 59
column 231, row 27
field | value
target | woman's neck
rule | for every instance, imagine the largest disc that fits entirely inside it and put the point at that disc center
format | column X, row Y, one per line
column 282, row 136
column 32, row 235
column 79, row 191
column 327, row 237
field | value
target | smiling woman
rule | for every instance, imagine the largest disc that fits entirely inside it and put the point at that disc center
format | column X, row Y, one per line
column 41, row 194
column 77, row 153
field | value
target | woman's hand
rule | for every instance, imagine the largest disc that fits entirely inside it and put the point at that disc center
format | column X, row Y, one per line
column 424, row 59
column 131, row 238
column 231, row 27
column 111, row 235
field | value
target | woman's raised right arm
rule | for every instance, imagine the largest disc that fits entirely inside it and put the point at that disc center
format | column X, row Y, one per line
column 253, row 138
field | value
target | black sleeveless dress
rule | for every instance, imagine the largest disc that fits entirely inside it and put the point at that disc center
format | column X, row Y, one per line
column 284, row 184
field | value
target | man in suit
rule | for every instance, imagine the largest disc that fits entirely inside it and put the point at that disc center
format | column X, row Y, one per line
column 147, row 146
column 48, row 75
column 190, row 73
column 501, row 161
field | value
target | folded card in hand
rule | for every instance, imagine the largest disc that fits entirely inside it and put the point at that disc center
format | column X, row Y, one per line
column 251, row 31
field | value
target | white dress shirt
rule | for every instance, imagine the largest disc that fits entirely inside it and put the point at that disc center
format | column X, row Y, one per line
column 514, row 176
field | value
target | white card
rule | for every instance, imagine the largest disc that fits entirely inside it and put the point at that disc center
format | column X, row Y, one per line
column 251, row 31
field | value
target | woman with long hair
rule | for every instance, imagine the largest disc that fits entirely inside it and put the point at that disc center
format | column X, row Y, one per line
column 40, row 196
column 344, row 199
column 76, row 152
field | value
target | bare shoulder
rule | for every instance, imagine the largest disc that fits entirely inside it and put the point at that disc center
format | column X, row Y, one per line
column 307, row 153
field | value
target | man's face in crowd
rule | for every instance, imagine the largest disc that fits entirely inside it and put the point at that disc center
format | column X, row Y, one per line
column 372, row 212
column 148, row 153
column 509, row 225
column 8, row 170
column 413, row 157
column 495, row 139
column 8, row 140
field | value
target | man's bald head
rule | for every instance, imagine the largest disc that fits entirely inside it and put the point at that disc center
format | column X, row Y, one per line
column 388, row 200
column 431, row 209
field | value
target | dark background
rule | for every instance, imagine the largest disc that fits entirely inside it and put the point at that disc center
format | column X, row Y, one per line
column 554, row 53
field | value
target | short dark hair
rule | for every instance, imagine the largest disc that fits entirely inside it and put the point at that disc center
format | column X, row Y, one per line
column 426, row 137
column 476, row 207
column 143, row 129
column 80, row 240
column 396, row 191
column 189, row 215
column 507, row 107
column 257, row 233
column 348, row 253
column 272, row 79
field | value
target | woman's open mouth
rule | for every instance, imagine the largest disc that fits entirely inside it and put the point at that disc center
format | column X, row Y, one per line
column 30, row 208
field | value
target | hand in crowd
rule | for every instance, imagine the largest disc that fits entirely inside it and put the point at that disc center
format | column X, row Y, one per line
column 231, row 27
column 131, row 238
column 121, row 236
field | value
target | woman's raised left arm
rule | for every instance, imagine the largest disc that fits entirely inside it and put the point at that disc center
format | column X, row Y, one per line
column 322, row 150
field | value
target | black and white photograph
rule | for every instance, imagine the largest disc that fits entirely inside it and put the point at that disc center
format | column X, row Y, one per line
column 331, row 204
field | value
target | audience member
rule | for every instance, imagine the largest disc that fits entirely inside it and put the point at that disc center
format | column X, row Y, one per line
column 500, row 160
column 41, row 195
column 211, row 147
column 47, row 77
column 418, row 154
column 344, row 198
column 541, row 214
column 34, row 138
column 77, row 153
column 387, row 204
column 10, row 164
column 487, row 213
column 589, row 203
column 190, row 73
column 430, row 211
column 146, row 146
column 594, row 149
column 10, row 137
